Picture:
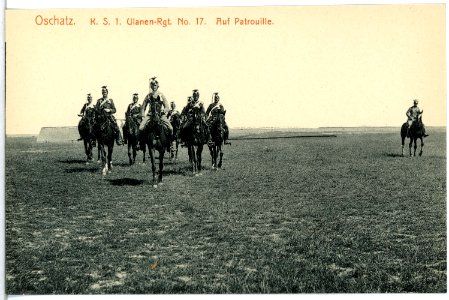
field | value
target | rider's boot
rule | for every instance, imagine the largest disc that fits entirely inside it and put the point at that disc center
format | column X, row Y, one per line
column 139, row 145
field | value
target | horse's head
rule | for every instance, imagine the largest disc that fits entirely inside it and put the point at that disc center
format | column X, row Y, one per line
column 155, row 111
column 100, row 115
column 89, row 116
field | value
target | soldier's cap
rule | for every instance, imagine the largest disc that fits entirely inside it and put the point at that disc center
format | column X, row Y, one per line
column 135, row 94
column 104, row 87
column 195, row 90
column 415, row 101
column 88, row 95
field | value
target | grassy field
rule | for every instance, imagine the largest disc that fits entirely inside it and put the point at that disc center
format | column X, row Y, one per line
column 308, row 215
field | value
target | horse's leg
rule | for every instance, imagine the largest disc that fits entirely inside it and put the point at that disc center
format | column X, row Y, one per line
column 193, row 158
column 103, row 159
column 130, row 145
column 161, row 164
column 220, row 150
column 422, row 146
column 415, row 145
column 99, row 153
column 153, row 167
column 177, row 149
column 189, row 152
column 402, row 149
column 199, row 152
column 144, row 152
column 110, row 150
column 171, row 152
column 215, row 158
column 91, row 149
column 134, row 151
column 410, row 146
column 211, row 150
column 86, row 151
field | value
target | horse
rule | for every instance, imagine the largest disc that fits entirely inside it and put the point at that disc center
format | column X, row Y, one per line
column 217, row 132
column 155, row 137
column 194, row 136
column 131, row 131
column 176, row 124
column 105, row 133
column 86, row 131
column 414, row 133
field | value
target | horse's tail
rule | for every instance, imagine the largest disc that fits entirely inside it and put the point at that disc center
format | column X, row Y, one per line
column 404, row 129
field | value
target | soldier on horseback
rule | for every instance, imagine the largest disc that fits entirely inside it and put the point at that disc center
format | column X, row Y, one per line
column 106, row 105
column 413, row 113
column 155, row 96
column 133, row 111
column 187, row 111
column 212, row 112
column 86, row 106
column 173, row 111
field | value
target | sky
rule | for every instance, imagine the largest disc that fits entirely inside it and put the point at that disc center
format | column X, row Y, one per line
column 315, row 66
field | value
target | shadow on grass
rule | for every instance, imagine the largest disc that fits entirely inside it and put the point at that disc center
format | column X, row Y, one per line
column 126, row 181
column 393, row 155
column 73, row 161
column 121, row 164
column 82, row 169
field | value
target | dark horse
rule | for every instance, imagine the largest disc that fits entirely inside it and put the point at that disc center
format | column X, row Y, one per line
column 414, row 133
column 105, row 133
column 132, row 136
column 217, row 132
column 176, row 124
column 155, row 138
column 86, row 131
column 194, row 136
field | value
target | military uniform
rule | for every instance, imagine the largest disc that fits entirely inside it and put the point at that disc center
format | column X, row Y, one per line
column 107, row 103
column 171, row 113
column 212, row 112
column 413, row 113
column 86, row 106
column 133, row 111
column 159, row 98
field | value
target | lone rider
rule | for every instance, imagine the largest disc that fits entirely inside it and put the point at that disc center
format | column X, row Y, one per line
column 413, row 113
column 107, row 105
column 212, row 112
column 133, row 111
column 156, row 96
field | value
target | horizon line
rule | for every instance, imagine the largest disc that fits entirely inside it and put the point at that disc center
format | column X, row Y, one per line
column 249, row 127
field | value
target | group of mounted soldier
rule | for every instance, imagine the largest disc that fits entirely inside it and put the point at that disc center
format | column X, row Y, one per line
column 167, row 113
column 193, row 126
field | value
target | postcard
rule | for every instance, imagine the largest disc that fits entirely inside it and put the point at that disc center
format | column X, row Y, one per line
column 308, row 158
